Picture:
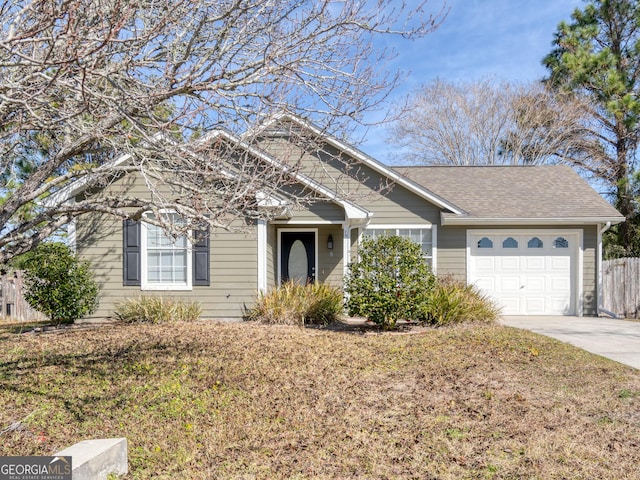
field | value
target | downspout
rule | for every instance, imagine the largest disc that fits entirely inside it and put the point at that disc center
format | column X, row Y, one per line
column 600, row 309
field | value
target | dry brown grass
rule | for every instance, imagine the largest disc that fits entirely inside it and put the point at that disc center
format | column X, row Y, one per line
column 245, row 401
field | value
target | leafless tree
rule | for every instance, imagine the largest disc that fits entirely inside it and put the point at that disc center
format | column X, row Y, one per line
column 492, row 123
column 83, row 82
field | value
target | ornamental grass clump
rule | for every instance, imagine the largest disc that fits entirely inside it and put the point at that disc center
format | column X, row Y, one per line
column 325, row 304
column 390, row 281
column 452, row 301
column 295, row 304
column 155, row 309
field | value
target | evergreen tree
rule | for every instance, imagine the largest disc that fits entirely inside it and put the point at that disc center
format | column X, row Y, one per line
column 597, row 55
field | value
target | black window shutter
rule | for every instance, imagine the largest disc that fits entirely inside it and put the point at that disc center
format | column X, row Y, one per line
column 132, row 252
column 201, row 249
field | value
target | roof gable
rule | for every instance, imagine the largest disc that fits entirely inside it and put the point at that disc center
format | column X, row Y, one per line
column 359, row 156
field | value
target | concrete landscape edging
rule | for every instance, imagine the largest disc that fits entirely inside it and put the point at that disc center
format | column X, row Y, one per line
column 96, row 459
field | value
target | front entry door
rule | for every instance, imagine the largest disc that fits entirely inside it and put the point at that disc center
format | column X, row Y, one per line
column 298, row 257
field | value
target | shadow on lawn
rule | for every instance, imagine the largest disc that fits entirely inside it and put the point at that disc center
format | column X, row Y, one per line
column 362, row 326
column 27, row 372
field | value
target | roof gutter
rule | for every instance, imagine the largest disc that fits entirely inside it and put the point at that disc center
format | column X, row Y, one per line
column 448, row 219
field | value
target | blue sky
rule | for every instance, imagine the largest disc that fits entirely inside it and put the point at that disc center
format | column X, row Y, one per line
column 501, row 39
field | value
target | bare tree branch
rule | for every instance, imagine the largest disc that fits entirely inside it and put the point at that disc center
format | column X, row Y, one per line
column 83, row 82
column 489, row 123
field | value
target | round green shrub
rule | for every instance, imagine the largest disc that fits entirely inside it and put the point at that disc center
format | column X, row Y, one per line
column 390, row 281
column 58, row 284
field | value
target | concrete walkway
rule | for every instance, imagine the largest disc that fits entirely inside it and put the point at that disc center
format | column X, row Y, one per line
column 618, row 340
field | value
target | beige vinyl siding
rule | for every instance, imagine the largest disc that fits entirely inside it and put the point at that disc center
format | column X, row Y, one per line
column 330, row 261
column 233, row 260
column 311, row 208
column 233, row 264
column 356, row 182
column 103, row 249
column 451, row 256
column 400, row 206
column 318, row 212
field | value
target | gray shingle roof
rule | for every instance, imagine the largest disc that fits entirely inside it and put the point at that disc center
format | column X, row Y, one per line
column 515, row 192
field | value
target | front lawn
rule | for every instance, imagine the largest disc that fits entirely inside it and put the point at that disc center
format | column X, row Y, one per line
column 209, row 400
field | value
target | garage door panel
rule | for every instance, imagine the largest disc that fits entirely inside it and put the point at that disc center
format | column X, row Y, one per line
column 535, row 284
column 560, row 304
column 526, row 280
column 561, row 284
column 508, row 284
column 485, row 264
column 533, row 264
column 510, row 305
column 535, row 305
column 509, row 263
column 487, row 284
column 559, row 263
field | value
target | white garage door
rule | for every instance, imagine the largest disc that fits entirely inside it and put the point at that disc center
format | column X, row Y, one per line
column 528, row 274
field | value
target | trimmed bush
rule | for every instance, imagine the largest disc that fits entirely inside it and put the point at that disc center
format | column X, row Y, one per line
column 155, row 309
column 58, row 284
column 391, row 281
column 451, row 301
column 295, row 304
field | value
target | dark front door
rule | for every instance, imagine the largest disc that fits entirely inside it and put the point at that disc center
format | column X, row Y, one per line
column 298, row 257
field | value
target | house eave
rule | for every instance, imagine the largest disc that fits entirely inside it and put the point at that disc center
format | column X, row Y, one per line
column 450, row 220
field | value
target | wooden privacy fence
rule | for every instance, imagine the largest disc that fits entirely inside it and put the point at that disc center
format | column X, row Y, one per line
column 621, row 287
column 12, row 300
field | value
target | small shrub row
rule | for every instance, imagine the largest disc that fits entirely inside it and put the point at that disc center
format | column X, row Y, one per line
column 155, row 309
column 295, row 304
column 391, row 281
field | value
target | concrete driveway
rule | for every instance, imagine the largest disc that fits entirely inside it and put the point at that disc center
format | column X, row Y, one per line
column 618, row 340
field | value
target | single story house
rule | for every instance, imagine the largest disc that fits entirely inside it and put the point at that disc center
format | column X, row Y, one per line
column 529, row 236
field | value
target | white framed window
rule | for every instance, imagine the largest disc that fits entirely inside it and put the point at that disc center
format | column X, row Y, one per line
column 510, row 242
column 535, row 242
column 166, row 259
column 561, row 242
column 422, row 235
column 485, row 242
